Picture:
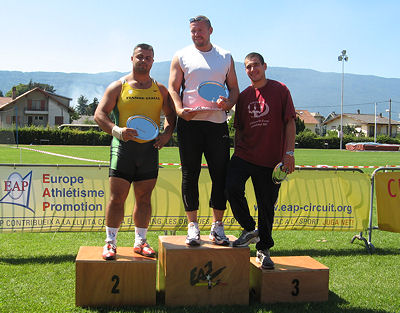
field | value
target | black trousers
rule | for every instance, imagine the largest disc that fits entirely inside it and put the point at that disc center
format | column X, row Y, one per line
column 212, row 139
column 266, row 193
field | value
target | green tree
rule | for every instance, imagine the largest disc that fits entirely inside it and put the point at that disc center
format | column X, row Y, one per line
column 231, row 129
column 92, row 106
column 22, row 88
column 1, row 94
column 299, row 125
column 74, row 116
column 350, row 130
column 82, row 107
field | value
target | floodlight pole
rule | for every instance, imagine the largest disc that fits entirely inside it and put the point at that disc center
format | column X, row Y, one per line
column 375, row 125
column 341, row 58
column 390, row 117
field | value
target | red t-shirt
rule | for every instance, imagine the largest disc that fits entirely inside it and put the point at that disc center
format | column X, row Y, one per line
column 260, row 119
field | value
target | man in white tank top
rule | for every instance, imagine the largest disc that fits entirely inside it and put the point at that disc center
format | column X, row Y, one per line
column 202, row 131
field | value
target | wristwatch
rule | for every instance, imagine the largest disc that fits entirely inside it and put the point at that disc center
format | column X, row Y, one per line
column 290, row 153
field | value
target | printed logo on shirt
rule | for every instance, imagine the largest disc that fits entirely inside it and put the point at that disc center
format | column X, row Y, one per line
column 258, row 108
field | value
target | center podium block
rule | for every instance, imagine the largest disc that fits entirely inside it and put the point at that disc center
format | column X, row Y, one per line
column 128, row 280
column 294, row 279
column 204, row 275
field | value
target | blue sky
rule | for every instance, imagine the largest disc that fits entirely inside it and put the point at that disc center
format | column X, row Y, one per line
column 98, row 36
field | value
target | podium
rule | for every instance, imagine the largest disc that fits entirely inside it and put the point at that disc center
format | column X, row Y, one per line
column 294, row 279
column 128, row 280
column 204, row 275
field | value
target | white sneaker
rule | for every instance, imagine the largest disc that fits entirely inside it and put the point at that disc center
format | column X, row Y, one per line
column 217, row 234
column 193, row 235
column 109, row 251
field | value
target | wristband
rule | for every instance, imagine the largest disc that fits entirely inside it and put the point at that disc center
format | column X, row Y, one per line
column 290, row 153
column 117, row 132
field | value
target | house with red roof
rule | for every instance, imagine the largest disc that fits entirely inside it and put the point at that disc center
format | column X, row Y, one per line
column 35, row 107
column 310, row 122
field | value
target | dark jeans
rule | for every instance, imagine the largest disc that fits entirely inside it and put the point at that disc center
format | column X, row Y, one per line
column 212, row 139
column 266, row 193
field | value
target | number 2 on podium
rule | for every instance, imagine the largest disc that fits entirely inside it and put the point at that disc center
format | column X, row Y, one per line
column 115, row 287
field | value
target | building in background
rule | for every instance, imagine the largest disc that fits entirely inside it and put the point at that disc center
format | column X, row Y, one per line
column 310, row 122
column 363, row 123
column 35, row 107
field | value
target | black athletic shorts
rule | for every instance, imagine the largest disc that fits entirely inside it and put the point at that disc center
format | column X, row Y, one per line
column 133, row 161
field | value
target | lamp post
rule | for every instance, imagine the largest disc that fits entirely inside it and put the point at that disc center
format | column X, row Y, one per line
column 341, row 58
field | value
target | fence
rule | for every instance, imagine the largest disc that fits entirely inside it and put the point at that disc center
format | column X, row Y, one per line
column 387, row 204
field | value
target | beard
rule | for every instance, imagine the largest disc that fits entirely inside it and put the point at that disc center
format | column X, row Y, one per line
column 201, row 43
column 141, row 69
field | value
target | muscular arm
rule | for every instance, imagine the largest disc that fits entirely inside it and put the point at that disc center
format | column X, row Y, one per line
column 290, row 138
column 106, row 105
column 233, row 87
column 170, row 118
column 174, row 86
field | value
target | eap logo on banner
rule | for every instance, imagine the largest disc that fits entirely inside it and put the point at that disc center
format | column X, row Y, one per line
column 17, row 190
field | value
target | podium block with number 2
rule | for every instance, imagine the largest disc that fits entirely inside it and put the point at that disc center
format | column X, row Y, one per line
column 129, row 280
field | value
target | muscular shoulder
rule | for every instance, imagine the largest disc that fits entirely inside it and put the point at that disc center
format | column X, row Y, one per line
column 162, row 88
column 115, row 87
column 185, row 51
column 222, row 51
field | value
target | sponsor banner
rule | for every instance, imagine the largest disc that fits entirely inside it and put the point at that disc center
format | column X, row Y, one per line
column 388, row 200
column 324, row 200
column 72, row 198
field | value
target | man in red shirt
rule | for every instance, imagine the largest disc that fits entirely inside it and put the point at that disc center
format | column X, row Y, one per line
column 265, row 135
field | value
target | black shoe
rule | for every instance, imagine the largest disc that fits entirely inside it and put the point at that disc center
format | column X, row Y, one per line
column 264, row 258
column 246, row 238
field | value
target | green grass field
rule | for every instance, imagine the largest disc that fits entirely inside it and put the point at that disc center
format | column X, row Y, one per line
column 37, row 270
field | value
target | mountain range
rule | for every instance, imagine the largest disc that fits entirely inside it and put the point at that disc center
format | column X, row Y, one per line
column 311, row 90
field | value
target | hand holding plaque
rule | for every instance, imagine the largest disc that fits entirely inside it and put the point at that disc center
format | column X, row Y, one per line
column 146, row 128
column 211, row 91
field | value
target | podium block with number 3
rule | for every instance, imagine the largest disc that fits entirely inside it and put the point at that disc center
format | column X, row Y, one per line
column 294, row 279
column 129, row 280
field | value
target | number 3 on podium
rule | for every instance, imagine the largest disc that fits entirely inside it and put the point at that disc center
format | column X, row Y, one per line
column 295, row 291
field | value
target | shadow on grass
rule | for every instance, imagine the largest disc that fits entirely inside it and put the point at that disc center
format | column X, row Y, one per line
column 43, row 259
column 329, row 252
column 333, row 305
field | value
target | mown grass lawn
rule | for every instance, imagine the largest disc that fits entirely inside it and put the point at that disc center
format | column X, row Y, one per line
column 37, row 270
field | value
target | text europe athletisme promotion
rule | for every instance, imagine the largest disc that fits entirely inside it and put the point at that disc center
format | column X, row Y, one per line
column 71, row 198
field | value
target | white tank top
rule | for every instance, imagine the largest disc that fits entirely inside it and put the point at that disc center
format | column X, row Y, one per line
column 197, row 67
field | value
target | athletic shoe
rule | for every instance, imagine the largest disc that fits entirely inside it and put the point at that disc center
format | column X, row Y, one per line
column 217, row 234
column 246, row 238
column 144, row 249
column 109, row 251
column 193, row 235
column 264, row 258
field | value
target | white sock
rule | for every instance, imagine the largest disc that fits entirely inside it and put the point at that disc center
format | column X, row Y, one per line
column 111, row 233
column 140, row 235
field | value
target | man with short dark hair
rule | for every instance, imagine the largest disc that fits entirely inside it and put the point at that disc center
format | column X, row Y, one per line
column 265, row 135
column 202, row 131
column 133, row 160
